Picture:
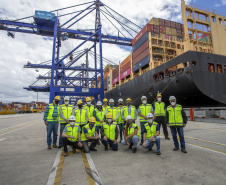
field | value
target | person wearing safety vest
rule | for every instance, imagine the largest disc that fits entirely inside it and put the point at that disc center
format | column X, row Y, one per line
column 71, row 136
column 113, row 110
column 109, row 133
column 131, row 134
column 51, row 116
column 81, row 115
column 65, row 113
column 89, row 107
column 176, row 119
column 143, row 111
column 105, row 104
column 151, row 134
column 120, row 119
column 89, row 134
column 160, row 111
column 129, row 110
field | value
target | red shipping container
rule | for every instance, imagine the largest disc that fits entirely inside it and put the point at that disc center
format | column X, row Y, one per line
column 141, row 56
column 162, row 29
column 125, row 67
column 169, row 37
column 125, row 61
column 173, row 24
column 115, row 75
column 144, row 46
column 161, row 22
column 115, row 70
column 167, row 23
column 156, row 29
column 178, row 26
column 148, row 27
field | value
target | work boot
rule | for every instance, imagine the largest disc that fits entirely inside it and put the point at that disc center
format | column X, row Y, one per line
column 149, row 149
column 65, row 154
column 110, row 146
column 167, row 138
column 158, row 153
column 74, row 150
column 141, row 143
column 98, row 142
column 93, row 149
column 55, row 146
column 175, row 149
column 49, row 147
column 134, row 150
column 120, row 141
column 106, row 147
column 184, row 151
column 131, row 145
column 60, row 147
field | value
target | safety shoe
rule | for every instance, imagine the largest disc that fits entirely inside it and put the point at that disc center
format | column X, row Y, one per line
column 184, row 151
column 110, row 146
column 141, row 143
column 98, row 142
column 106, row 148
column 167, row 138
column 93, row 149
column 149, row 149
column 175, row 149
column 134, row 150
column 60, row 147
column 74, row 150
column 158, row 153
column 65, row 154
column 55, row 146
column 49, row 147
column 131, row 145
column 120, row 141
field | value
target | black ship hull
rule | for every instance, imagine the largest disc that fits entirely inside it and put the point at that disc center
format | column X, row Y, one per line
column 194, row 85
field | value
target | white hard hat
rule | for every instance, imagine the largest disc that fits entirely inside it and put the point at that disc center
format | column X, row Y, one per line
column 111, row 101
column 99, row 103
column 150, row 115
column 66, row 98
column 72, row 118
column 128, row 117
column 120, row 99
column 143, row 97
column 172, row 98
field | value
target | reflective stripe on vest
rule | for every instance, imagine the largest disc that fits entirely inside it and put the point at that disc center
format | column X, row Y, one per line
column 175, row 115
column 72, row 132
column 104, row 108
column 66, row 111
column 144, row 110
column 90, row 132
column 159, row 109
column 50, row 113
column 132, row 112
column 90, row 110
column 113, row 111
column 150, row 130
column 80, row 116
column 100, row 115
column 132, row 129
column 120, row 120
column 109, row 131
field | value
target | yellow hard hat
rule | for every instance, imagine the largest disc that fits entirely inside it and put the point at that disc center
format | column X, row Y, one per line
column 92, row 119
column 128, row 99
column 159, row 95
column 88, row 99
column 105, row 100
column 109, row 115
column 79, row 102
column 57, row 98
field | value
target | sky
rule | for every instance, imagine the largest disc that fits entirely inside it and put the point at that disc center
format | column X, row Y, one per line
column 15, row 53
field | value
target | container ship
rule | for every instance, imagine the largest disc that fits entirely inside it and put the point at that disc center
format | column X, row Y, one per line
column 186, row 60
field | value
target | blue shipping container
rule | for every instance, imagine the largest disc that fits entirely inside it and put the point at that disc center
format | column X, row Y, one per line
column 141, row 64
column 44, row 15
column 140, row 42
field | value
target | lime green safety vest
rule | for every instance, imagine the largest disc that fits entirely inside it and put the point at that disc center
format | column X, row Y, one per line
column 66, row 111
column 50, row 113
column 132, row 112
column 80, row 116
column 104, row 108
column 90, row 110
column 72, row 132
column 120, row 120
column 159, row 109
column 131, row 130
column 90, row 132
column 100, row 115
column 175, row 115
column 150, row 130
column 113, row 111
column 109, row 131
column 144, row 110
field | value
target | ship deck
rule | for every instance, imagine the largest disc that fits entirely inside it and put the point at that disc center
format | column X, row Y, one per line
column 25, row 159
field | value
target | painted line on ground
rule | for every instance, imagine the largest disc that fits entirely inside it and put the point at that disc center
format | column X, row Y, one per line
column 211, row 128
column 24, row 115
column 2, row 139
column 206, row 141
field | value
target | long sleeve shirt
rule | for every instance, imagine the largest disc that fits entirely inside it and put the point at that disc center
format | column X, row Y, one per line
column 54, row 115
column 95, row 116
column 184, row 116
column 106, row 112
column 129, row 112
column 116, row 132
column 73, row 113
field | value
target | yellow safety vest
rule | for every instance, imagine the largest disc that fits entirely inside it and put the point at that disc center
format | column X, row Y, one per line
column 104, row 108
column 66, row 111
column 50, row 113
column 91, row 132
column 144, row 110
column 150, row 130
column 175, row 115
column 159, row 109
column 90, row 110
column 113, row 111
column 100, row 115
column 80, row 116
column 126, row 111
column 72, row 132
column 109, row 131
column 120, row 120
column 132, row 129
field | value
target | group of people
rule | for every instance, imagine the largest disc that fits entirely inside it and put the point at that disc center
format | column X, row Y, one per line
column 83, row 124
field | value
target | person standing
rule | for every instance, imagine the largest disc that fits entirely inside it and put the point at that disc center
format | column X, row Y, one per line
column 143, row 111
column 129, row 110
column 160, row 112
column 120, row 120
column 105, row 104
column 89, row 107
column 65, row 113
column 112, row 110
column 51, row 116
column 176, row 119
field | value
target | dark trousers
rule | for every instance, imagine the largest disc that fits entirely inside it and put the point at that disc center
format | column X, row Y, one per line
column 86, row 147
column 62, row 126
column 180, row 131
column 114, row 146
column 161, row 121
column 121, row 129
column 73, row 144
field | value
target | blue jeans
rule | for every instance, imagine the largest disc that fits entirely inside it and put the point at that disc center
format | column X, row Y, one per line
column 52, row 127
column 149, row 143
column 98, row 129
column 134, row 140
column 121, row 129
column 62, row 126
column 142, row 123
column 180, row 131
column 114, row 146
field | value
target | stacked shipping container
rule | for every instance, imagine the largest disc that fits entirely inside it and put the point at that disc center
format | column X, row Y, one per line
column 125, row 67
column 115, row 75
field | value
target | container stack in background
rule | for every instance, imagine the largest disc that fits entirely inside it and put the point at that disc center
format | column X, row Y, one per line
column 106, row 73
column 125, row 68
column 115, row 75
